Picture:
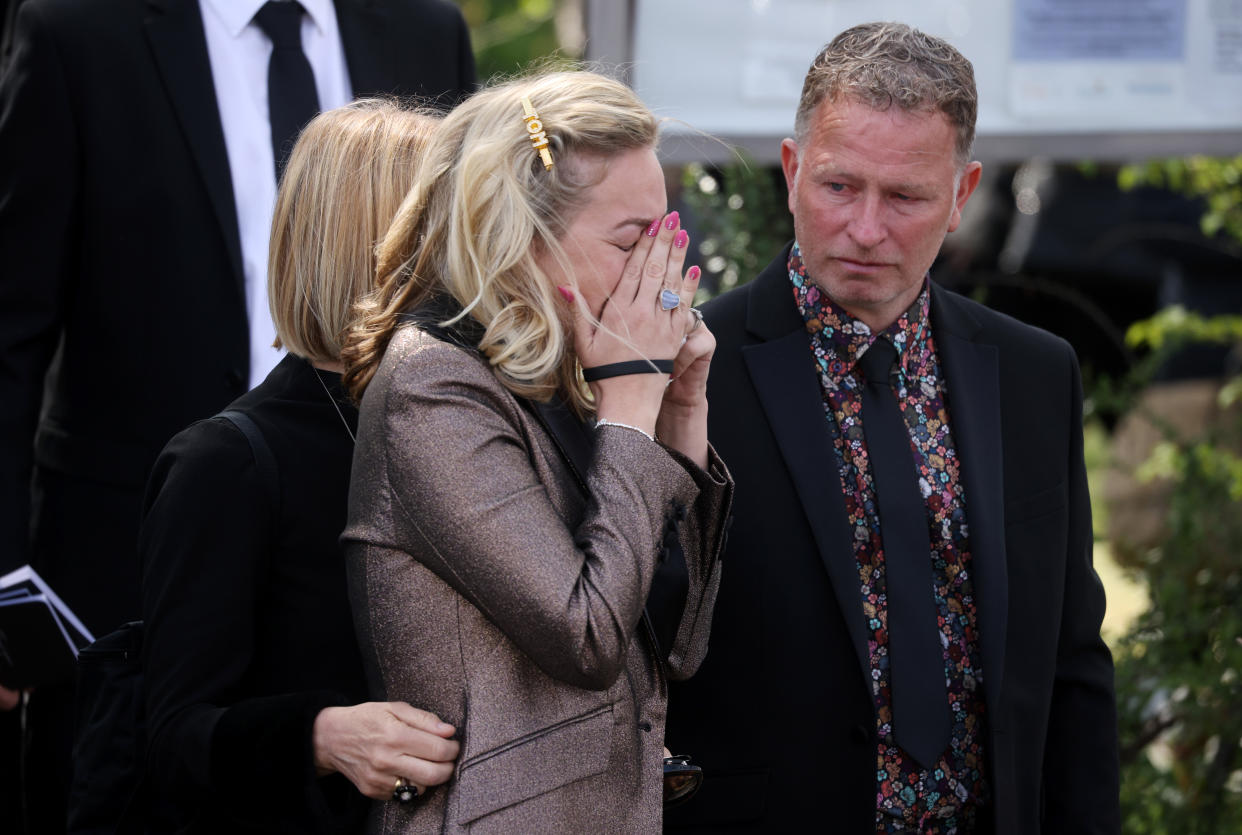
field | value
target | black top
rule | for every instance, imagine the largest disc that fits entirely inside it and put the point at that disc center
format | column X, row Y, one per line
column 249, row 632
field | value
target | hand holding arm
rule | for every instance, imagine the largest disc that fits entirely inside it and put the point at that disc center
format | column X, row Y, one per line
column 374, row 743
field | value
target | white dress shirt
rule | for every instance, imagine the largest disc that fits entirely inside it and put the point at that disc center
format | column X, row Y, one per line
column 239, row 53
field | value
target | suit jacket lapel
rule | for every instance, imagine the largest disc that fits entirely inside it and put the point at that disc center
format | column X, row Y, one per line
column 175, row 32
column 972, row 381
column 368, row 48
column 781, row 370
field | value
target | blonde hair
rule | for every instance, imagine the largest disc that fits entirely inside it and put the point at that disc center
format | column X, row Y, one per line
column 886, row 64
column 482, row 207
column 344, row 181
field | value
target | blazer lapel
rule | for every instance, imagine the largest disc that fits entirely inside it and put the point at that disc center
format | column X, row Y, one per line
column 174, row 30
column 972, row 380
column 368, row 48
column 781, row 370
column 571, row 436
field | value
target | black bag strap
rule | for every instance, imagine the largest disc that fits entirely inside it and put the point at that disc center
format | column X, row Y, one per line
column 263, row 458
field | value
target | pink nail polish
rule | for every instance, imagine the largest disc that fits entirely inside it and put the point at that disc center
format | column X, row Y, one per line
column 653, row 228
column 567, row 293
column 693, row 273
column 671, row 221
column 683, row 238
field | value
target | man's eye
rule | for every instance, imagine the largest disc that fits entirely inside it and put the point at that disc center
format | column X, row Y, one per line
column 837, row 186
column 900, row 196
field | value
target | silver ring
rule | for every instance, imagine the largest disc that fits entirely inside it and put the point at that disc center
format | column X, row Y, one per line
column 669, row 300
column 698, row 319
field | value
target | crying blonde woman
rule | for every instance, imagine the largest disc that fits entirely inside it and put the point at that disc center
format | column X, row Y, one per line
column 535, row 514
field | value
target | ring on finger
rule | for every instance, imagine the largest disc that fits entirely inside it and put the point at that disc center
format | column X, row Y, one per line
column 669, row 299
column 697, row 315
column 404, row 792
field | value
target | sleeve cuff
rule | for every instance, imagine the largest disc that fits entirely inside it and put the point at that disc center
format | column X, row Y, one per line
column 264, row 746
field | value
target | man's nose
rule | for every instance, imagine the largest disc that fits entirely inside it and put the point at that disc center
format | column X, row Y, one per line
column 866, row 227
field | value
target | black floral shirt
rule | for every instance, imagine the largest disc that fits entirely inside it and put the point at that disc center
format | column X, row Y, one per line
column 943, row 799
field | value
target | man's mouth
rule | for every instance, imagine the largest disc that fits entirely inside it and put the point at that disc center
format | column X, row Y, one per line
column 860, row 265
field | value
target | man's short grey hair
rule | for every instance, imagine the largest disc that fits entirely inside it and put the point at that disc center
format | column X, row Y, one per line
column 886, row 64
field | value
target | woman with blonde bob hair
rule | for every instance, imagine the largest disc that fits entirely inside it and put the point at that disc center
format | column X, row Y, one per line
column 255, row 687
column 535, row 513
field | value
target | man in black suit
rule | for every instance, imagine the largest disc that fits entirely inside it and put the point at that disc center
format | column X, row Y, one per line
column 907, row 633
column 124, row 265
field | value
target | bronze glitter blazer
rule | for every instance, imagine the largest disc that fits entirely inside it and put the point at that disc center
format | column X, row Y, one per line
column 501, row 584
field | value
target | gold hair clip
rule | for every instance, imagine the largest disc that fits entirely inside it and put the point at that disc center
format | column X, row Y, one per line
column 538, row 136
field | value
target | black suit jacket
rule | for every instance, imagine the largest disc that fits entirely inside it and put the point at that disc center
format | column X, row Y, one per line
column 780, row 715
column 120, row 255
column 249, row 632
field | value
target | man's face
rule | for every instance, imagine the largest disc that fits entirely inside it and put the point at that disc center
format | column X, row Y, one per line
column 873, row 193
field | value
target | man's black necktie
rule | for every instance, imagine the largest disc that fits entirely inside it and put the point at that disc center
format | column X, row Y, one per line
column 291, row 97
column 915, row 657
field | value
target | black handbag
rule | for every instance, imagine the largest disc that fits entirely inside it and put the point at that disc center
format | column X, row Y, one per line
column 109, row 735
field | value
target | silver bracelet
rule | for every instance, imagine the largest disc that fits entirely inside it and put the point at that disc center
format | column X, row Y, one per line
column 605, row 422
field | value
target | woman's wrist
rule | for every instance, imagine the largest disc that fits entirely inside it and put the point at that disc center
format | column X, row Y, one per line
column 684, row 428
column 677, row 418
column 631, row 402
column 323, row 732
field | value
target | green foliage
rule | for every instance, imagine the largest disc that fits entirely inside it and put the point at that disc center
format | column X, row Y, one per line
column 1179, row 670
column 1180, row 693
column 739, row 218
column 510, row 35
column 1217, row 180
column 1170, row 330
column 1096, row 454
column 1175, row 326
